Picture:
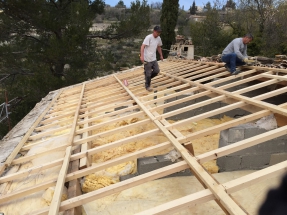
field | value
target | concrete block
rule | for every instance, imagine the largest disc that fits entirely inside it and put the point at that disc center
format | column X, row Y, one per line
column 248, row 151
column 251, row 132
column 235, row 135
column 272, row 146
column 255, row 161
column 229, row 163
column 125, row 177
column 148, row 164
column 277, row 158
column 186, row 172
column 224, row 138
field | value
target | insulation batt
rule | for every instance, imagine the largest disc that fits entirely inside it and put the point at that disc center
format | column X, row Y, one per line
column 111, row 175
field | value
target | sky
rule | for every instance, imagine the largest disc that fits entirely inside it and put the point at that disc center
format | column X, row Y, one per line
column 185, row 3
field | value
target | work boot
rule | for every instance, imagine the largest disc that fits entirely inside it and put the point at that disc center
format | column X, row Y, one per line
column 228, row 69
column 149, row 89
column 237, row 71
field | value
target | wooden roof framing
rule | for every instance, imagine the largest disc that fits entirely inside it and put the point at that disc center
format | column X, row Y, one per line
column 75, row 109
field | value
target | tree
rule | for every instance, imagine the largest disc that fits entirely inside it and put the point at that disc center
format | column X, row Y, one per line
column 182, row 23
column 168, row 22
column 261, row 10
column 52, row 33
column 131, row 23
column 45, row 45
column 230, row 4
column 208, row 36
column 207, row 6
column 120, row 4
column 193, row 9
column 156, row 5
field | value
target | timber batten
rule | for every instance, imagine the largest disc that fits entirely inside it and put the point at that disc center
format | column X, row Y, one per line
column 76, row 112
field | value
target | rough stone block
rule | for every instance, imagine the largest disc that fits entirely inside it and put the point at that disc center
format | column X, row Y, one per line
column 235, row 135
column 277, row 158
column 229, row 163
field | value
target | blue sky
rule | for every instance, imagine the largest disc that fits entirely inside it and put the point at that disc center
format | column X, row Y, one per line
column 185, row 3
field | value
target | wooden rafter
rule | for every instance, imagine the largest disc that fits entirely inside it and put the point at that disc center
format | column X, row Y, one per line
column 76, row 109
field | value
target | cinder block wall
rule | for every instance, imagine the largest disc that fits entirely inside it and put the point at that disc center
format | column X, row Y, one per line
column 252, row 158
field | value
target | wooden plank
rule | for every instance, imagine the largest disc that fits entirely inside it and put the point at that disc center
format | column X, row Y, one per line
column 27, row 135
column 207, row 73
column 269, row 135
column 29, row 145
column 27, row 191
column 277, row 77
column 261, row 104
column 74, row 188
column 203, row 196
column 84, row 172
column 176, row 205
column 101, row 115
column 170, row 93
column 51, row 125
column 256, row 177
column 109, row 132
column 113, row 103
column 48, row 133
column 167, row 91
column 258, row 68
column 33, row 156
column 56, row 200
column 29, row 171
column 223, row 126
column 118, row 187
column 178, row 101
column 85, row 162
column 229, row 78
column 217, row 190
column 117, row 129
column 192, row 107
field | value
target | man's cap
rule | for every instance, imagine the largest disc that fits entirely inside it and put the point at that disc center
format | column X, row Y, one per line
column 157, row 28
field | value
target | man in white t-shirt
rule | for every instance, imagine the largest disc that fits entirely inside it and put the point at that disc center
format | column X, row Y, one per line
column 151, row 43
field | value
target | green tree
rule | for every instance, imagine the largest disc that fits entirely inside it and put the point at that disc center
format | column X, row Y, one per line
column 168, row 22
column 208, row 36
column 51, row 33
column 46, row 45
column 120, row 4
column 207, row 6
column 230, row 4
column 193, row 9
column 182, row 23
column 131, row 23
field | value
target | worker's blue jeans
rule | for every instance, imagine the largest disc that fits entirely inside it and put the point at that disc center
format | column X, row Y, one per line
column 151, row 70
column 232, row 61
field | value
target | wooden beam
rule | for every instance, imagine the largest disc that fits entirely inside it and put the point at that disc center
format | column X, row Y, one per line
column 89, row 170
column 114, row 188
column 215, row 188
column 74, row 188
column 203, row 196
column 243, row 144
column 27, row 135
column 56, row 200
